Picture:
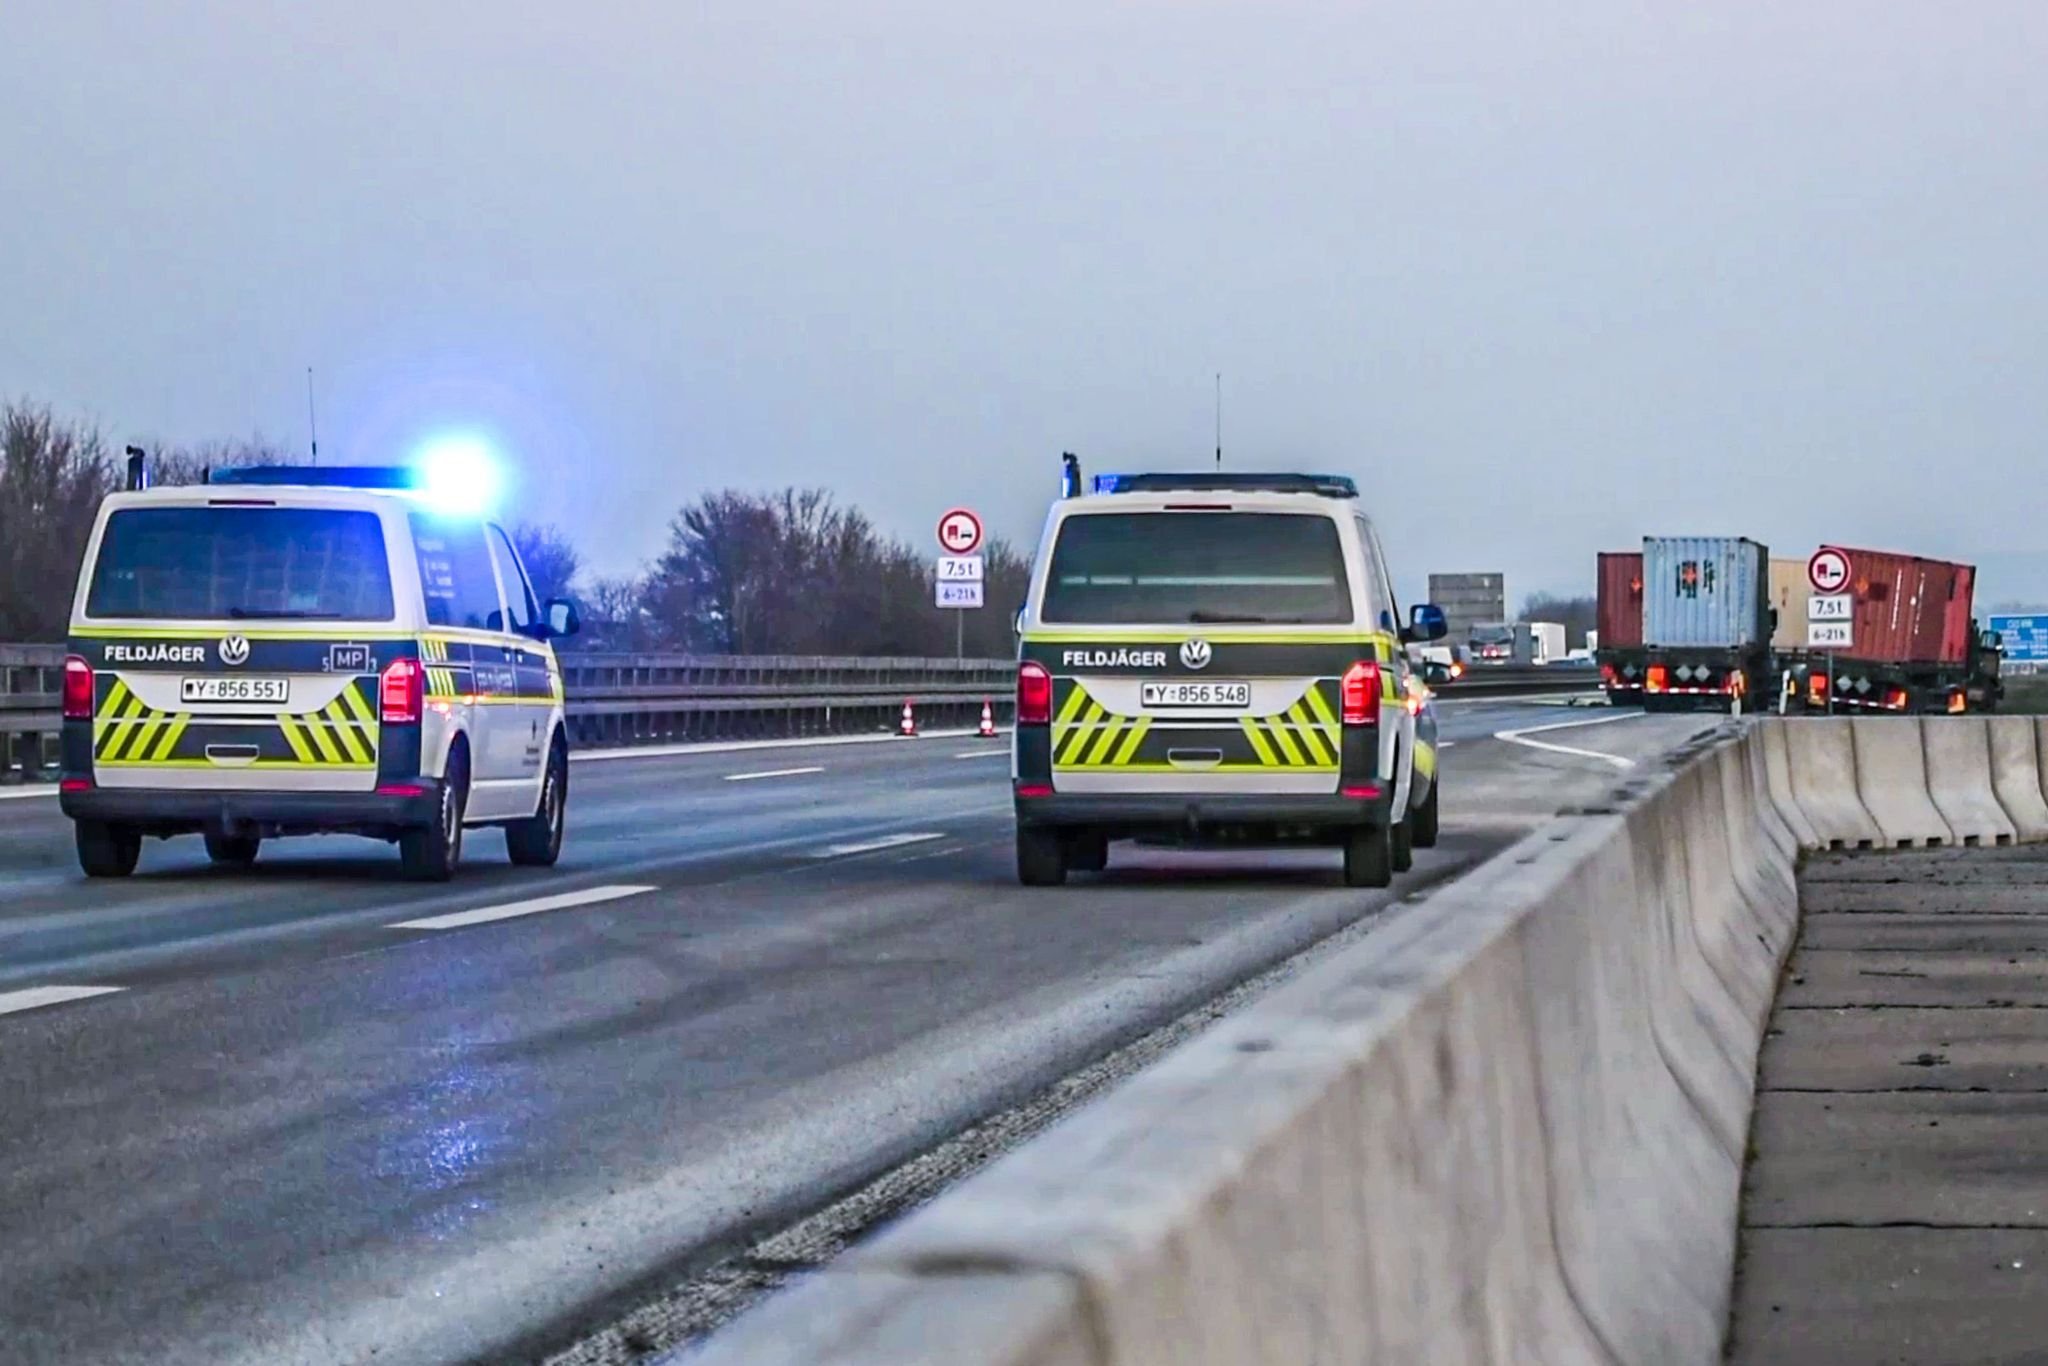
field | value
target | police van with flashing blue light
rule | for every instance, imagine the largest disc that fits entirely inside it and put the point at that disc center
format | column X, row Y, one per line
column 289, row 650
column 1219, row 658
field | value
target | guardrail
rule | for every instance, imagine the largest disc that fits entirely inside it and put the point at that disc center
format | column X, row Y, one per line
column 1520, row 680
column 633, row 699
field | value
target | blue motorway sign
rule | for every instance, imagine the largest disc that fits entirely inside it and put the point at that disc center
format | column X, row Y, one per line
column 2025, row 638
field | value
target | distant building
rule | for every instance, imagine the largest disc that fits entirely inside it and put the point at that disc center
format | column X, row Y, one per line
column 1469, row 600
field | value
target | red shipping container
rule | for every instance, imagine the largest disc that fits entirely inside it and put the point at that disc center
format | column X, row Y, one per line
column 1909, row 610
column 1621, row 599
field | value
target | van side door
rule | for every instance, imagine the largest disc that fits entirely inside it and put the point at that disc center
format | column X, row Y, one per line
column 531, row 660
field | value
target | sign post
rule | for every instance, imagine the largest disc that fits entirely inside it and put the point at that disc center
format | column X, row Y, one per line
column 960, row 569
column 1831, row 612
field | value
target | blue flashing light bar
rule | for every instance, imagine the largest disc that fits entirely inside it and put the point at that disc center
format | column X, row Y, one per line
column 320, row 476
column 1326, row 485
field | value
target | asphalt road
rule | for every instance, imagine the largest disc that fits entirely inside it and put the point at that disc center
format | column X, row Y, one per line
column 296, row 1131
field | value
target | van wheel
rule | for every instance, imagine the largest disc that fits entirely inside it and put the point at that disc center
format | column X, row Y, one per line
column 1088, row 851
column 1422, row 825
column 237, row 851
column 1041, row 858
column 429, row 853
column 1368, row 856
column 1402, row 841
column 106, row 849
column 536, row 842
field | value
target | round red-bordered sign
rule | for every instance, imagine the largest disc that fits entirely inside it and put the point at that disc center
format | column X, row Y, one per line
column 1828, row 570
column 959, row 532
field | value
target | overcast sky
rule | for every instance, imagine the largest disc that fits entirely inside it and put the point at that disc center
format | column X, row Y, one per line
column 1545, row 277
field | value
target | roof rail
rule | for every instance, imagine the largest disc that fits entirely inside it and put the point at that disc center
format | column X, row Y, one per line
column 1327, row 485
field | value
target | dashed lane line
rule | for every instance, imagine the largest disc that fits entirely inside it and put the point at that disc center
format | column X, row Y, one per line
column 773, row 773
column 876, row 845
column 34, row 998
column 589, row 896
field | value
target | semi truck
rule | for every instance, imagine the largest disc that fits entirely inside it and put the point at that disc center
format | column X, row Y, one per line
column 1706, row 621
column 1619, row 611
column 1516, row 642
column 1914, row 643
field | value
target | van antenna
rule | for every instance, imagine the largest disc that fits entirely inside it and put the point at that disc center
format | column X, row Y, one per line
column 1219, row 419
column 312, row 424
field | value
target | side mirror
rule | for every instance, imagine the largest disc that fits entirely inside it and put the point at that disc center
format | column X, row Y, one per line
column 1436, row 674
column 1426, row 622
column 562, row 617
column 1991, row 640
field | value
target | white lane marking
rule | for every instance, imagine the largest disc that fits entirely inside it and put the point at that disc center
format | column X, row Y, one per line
column 870, row 846
column 34, row 998
column 15, row 794
column 771, row 773
column 1447, row 744
column 1002, row 753
column 1520, row 737
column 599, row 756
column 484, row 915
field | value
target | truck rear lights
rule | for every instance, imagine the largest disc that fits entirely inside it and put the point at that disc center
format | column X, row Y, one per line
column 1657, row 678
column 401, row 691
column 1361, row 690
column 1034, row 694
column 77, row 689
column 1958, row 703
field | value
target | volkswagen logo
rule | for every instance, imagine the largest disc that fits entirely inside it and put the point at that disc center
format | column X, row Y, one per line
column 1195, row 653
column 234, row 650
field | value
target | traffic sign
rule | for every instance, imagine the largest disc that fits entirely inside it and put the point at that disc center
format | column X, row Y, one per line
column 1830, row 635
column 1828, row 570
column 2025, row 638
column 959, row 532
column 960, row 569
column 1833, row 607
column 959, row 594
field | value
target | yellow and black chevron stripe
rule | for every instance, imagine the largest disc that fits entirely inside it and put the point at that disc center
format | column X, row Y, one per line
column 1305, row 738
column 344, row 732
column 124, row 731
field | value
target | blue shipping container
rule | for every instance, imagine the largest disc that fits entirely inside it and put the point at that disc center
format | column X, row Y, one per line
column 1705, row 592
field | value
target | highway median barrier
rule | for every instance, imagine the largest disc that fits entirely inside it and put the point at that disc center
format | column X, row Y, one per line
column 1508, row 1127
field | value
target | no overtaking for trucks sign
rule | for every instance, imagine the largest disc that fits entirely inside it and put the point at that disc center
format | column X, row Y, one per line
column 1831, row 612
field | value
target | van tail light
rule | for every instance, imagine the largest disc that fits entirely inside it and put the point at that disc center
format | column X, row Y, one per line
column 1362, row 694
column 1034, row 694
column 77, row 689
column 401, row 692
column 1656, row 678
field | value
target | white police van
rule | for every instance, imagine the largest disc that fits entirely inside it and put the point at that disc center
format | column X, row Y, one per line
column 295, row 650
column 1219, row 658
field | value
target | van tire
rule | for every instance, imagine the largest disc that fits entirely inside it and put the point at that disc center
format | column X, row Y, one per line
column 1088, row 851
column 1422, row 825
column 430, row 853
column 536, row 842
column 1402, row 846
column 235, row 851
column 1041, row 856
column 106, row 849
column 1368, row 856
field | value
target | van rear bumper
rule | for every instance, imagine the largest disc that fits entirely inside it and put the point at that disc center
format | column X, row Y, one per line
column 177, row 811
column 1188, row 812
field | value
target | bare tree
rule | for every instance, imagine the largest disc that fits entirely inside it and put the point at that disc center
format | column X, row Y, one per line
column 551, row 559
column 1577, row 615
column 52, row 478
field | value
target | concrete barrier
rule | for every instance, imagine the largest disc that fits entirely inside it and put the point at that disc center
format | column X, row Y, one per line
column 1959, row 779
column 2016, row 774
column 1891, row 778
column 1823, row 781
column 1509, row 1127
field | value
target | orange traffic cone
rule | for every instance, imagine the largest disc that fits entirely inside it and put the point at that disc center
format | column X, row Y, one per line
column 909, row 726
column 988, row 722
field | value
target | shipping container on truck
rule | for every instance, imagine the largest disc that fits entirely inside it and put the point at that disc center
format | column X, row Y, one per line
column 1915, row 644
column 1706, row 620
column 1790, row 591
column 1620, row 654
